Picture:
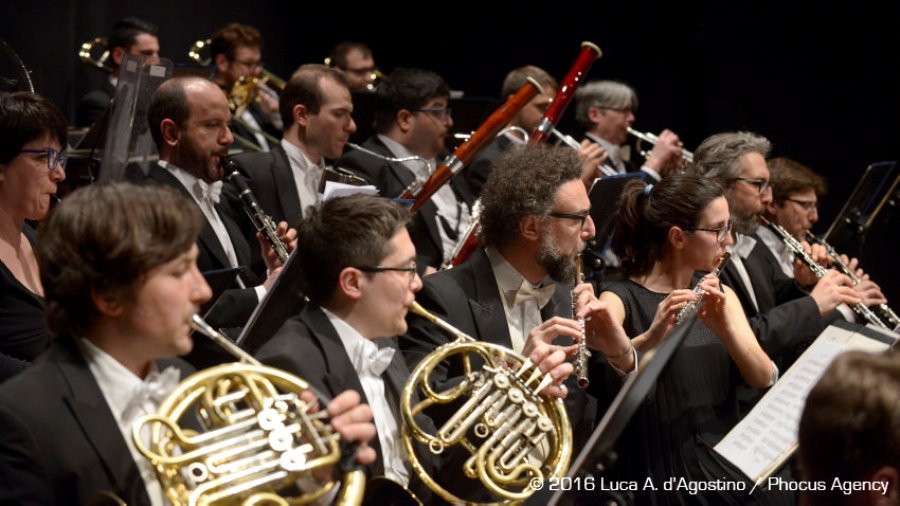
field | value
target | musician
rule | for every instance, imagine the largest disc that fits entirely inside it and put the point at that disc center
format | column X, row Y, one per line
column 606, row 109
column 188, row 119
column 355, row 60
column 477, row 172
column 32, row 163
column 783, row 318
column 118, row 263
column 854, row 407
column 665, row 233
column 359, row 264
column 236, row 53
column 517, row 290
column 412, row 118
column 129, row 35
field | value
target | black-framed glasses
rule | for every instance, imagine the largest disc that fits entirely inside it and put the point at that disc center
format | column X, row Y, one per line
column 807, row 205
column 54, row 158
column 581, row 218
column 410, row 271
column 721, row 232
column 437, row 112
column 761, row 184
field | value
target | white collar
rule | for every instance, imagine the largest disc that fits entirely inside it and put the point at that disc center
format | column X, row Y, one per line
column 743, row 245
column 116, row 381
column 615, row 152
column 298, row 156
column 417, row 167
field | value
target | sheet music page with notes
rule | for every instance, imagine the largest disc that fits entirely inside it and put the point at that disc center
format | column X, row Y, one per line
column 767, row 436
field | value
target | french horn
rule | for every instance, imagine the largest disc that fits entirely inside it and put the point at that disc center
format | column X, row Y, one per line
column 513, row 434
column 258, row 437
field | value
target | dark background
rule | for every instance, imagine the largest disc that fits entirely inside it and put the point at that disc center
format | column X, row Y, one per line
column 820, row 82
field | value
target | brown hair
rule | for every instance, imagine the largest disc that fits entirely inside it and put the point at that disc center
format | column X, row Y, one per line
column 788, row 177
column 517, row 78
column 25, row 117
column 227, row 39
column 104, row 239
column 304, row 88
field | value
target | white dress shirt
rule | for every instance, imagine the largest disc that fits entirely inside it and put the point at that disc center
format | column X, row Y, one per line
column 360, row 349
column 523, row 315
column 454, row 212
column 307, row 176
column 127, row 398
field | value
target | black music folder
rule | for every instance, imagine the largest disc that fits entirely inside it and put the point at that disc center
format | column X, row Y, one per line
column 219, row 280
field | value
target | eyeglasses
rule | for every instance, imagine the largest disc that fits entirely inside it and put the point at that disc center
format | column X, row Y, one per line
column 807, row 205
column 54, row 158
column 437, row 112
column 721, row 232
column 249, row 64
column 761, row 184
column 581, row 218
column 410, row 271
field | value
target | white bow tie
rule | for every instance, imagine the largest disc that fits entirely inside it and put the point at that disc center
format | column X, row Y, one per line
column 372, row 360
column 155, row 388
column 540, row 295
column 208, row 191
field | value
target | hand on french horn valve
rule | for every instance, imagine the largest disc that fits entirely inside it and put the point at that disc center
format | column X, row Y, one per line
column 353, row 421
column 287, row 235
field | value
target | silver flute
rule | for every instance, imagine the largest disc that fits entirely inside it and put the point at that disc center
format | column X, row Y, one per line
column 694, row 304
column 887, row 314
column 262, row 221
column 582, row 354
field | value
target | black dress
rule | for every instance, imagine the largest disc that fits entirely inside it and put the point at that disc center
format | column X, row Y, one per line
column 23, row 332
column 691, row 407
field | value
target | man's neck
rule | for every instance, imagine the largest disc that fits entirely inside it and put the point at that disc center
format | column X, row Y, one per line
column 293, row 137
column 346, row 310
column 406, row 141
column 120, row 345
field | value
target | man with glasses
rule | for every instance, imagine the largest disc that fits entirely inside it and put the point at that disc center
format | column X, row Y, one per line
column 783, row 317
column 605, row 109
column 356, row 61
column 517, row 291
column 412, row 120
column 236, row 53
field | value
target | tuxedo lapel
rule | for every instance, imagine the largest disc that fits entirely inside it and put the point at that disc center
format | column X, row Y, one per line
column 286, row 187
column 488, row 315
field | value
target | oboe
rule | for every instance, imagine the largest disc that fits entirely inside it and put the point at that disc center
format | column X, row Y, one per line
column 887, row 313
column 582, row 354
column 262, row 221
column 797, row 249
column 694, row 304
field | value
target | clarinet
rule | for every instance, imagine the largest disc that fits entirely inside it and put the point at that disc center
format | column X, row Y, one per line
column 582, row 354
column 694, row 304
column 888, row 314
column 262, row 221
column 797, row 249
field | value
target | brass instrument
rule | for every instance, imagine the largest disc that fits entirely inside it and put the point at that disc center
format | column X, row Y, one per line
column 518, row 434
column 694, row 304
column 568, row 140
column 796, row 248
column 887, row 314
column 652, row 139
column 259, row 437
column 582, row 354
column 86, row 54
column 261, row 221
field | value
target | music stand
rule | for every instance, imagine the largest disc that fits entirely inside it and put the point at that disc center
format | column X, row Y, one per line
column 604, row 196
column 283, row 300
column 877, row 187
column 219, row 280
column 597, row 456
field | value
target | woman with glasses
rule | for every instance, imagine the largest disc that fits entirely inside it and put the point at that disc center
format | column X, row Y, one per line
column 32, row 138
column 667, row 236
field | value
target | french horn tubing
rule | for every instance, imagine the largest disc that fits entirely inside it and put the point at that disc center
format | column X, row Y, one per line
column 258, row 437
column 513, row 434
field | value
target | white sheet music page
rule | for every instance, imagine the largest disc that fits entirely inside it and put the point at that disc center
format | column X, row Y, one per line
column 767, row 436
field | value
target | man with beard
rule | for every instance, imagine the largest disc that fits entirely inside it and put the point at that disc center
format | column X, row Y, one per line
column 783, row 318
column 189, row 122
column 518, row 289
column 412, row 119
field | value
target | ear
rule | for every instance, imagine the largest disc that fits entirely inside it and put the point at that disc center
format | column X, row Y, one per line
column 171, row 132
column 530, row 228
column 300, row 115
column 770, row 207
column 350, row 283
column 405, row 120
column 890, row 476
column 676, row 237
column 106, row 304
column 594, row 114
column 221, row 62
column 116, row 55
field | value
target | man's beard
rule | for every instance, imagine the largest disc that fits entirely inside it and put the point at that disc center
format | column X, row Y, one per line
column 743, row 223
column 560, row 267
column 197, row 162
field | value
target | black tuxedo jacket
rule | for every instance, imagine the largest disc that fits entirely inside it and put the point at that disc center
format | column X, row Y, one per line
column 468, row 298
column 392, row 179
column 93, row 106
column 308, row 346
column 477, row 172
column 59, row 441
column 271, row 179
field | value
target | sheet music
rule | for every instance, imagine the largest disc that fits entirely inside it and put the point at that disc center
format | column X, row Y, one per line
column 768, row 434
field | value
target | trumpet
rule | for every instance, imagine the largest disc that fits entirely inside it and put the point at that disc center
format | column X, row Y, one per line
column 259, row 437
column 514, row 434
column 261, row 221
column 87, row 50
column 568, row 140
column 796, row 248
column 582, row 354
column 694, row 304
column 887, row 314
column 652, row 139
